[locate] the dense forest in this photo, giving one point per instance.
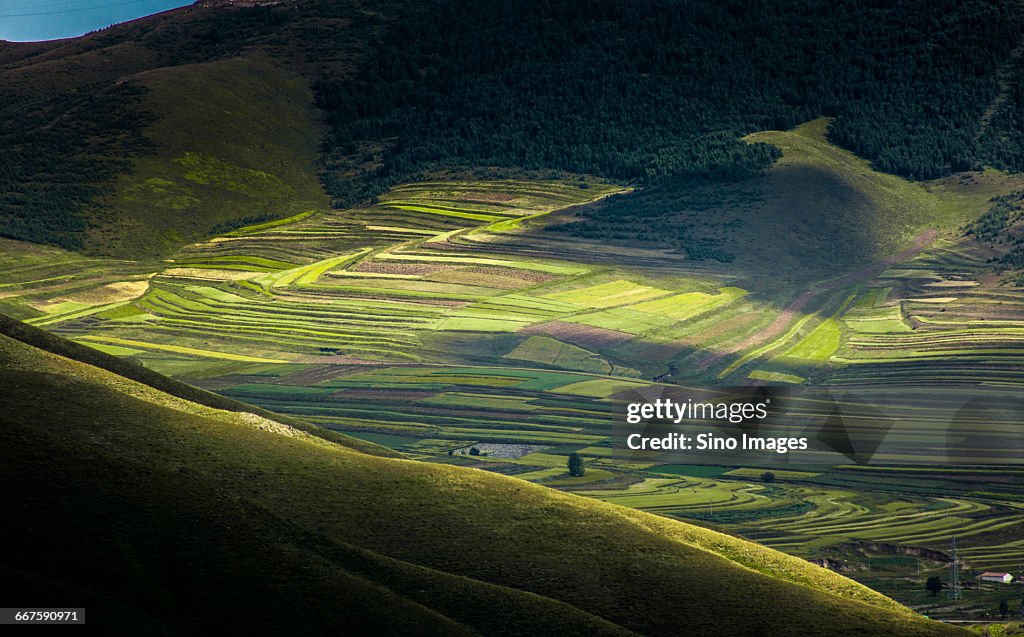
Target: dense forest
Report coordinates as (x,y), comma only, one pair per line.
(1000,228)
(59,152)
(662,89)
(1002,134)
(651,92)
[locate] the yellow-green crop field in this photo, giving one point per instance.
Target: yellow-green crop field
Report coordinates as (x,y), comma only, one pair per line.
(439,318)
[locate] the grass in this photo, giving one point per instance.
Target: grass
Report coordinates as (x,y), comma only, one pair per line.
(598,388)
(252,482)
(176,195)
(772,345)
(548,351)
(776,377)
(694,470)
(260,227)
(623,319)
(820,344)
(553,268)
(891,210)
(76,313)
(609,294)
(432,330)
(309,274)
(447,213)
(126,368)
(686,306)
(115,350)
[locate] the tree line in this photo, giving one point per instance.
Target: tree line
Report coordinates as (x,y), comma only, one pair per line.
(61,152)
(658,90)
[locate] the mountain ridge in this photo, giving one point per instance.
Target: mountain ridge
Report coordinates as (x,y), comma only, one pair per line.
(409,90)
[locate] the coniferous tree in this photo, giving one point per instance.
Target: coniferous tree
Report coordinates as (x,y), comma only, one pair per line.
(575,464)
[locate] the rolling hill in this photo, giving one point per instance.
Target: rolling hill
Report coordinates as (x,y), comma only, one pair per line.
(380,231)
(438,319)
(172,515)
(143,137)
(136,139)
(231,142)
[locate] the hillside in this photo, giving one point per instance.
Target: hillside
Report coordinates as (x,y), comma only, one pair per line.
(313,300)
(819,211)
(131,370)
(147,135)
(440,319)
(143,137)
(159,507)
(231,142)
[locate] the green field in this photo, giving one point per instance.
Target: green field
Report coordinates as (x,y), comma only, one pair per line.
(428,322)
(324,315)
(272,502)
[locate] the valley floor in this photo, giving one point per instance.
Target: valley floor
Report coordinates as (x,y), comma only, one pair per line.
(438,320)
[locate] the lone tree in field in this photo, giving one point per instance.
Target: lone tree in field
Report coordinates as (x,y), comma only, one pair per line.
(575,465)
(934,585)
(768,476)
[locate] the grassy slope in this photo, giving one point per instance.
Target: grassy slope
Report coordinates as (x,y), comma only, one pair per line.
(232,139)
(29,267)
(825,210)
(162,505)
(202,99)
(130,369)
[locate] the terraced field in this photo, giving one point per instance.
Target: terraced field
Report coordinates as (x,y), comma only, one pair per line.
(411,278)
(807,516)
(52,285)
(937,318)
(449,273)
(435,321)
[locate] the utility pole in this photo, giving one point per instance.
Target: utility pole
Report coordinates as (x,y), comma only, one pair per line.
(955,590)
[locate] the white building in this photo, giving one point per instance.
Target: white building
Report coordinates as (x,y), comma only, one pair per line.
(998,578)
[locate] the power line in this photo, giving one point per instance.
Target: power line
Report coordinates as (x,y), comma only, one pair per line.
(955,589)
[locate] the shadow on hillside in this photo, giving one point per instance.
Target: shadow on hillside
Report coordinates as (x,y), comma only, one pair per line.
(774,234)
